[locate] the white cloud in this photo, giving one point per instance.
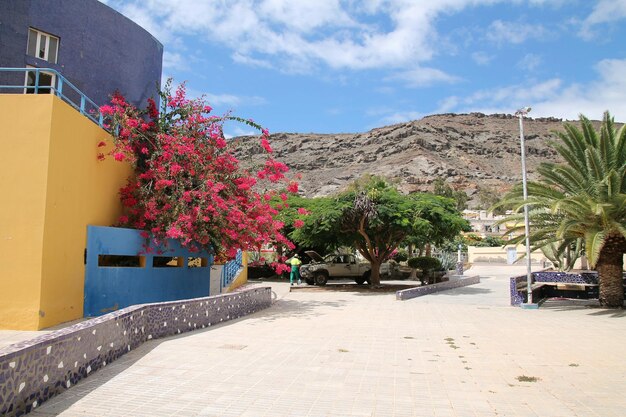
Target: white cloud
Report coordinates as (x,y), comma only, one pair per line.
(421,77)
(501,32)
(252,62)
(605,11)
(529,62)
(174,61)
(401,117)
(481,58)
(299,36)
(230,100)
(234,131)
(555,98)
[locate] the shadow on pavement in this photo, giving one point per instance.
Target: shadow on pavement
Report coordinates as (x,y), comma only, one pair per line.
(295,308)
(592,306)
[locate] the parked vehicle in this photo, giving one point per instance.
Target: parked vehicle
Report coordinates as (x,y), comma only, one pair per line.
(334,266)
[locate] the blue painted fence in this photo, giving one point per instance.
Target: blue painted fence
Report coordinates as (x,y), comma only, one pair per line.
(109,288)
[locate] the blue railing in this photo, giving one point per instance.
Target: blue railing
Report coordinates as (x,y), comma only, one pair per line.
(230,269)
(60,87)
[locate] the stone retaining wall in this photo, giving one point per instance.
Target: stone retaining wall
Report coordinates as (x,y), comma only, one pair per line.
(442,286)
(35,370)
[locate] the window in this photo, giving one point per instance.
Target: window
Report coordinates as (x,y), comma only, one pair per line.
(42,45)
(46,82)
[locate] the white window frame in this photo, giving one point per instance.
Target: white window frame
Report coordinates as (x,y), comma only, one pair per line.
(52,81)
(46,48)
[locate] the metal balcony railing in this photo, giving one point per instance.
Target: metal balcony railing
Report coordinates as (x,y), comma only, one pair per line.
(50,81)
(231,269)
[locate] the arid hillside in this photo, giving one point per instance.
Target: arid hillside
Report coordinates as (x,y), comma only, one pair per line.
(468,150)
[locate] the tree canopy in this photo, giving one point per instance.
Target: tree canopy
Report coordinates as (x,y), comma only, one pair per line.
(583,200)
(373,217)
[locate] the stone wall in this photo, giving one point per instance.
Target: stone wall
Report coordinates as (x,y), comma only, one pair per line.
(35,370)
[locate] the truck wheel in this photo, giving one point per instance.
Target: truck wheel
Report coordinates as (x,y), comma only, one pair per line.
(360,280)
(309,281)
(320,278)
(366,277)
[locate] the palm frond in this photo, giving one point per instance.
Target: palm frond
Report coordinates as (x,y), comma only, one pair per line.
(589,133)
(594,241)
(607,135)
(595,164)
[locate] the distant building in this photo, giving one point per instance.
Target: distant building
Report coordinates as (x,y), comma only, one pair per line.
(94,47)
(483,222)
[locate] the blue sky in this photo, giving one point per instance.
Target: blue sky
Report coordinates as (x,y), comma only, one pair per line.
(332,66)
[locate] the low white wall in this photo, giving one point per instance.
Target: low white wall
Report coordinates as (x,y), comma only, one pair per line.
(500,255)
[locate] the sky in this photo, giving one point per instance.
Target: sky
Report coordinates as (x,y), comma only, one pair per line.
(348,66)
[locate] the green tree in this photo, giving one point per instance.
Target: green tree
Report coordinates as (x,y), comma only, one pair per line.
(583,198)
(373,217)
(320,219)
(442,188)
(376,218)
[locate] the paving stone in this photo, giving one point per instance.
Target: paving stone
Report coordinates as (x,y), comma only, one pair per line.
(357,354)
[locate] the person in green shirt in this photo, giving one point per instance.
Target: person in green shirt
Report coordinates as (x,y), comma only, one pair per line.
(295,263)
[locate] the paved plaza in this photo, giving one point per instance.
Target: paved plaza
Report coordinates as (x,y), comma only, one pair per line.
(462,352)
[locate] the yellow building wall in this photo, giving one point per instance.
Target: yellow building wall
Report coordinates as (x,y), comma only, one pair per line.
(74,190)
(24,132)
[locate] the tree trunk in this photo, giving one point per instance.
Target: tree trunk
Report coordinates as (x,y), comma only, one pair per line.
(428,250)
(610,276)
(375,274)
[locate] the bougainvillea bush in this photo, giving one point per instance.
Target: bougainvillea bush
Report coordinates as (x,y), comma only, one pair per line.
(187,184)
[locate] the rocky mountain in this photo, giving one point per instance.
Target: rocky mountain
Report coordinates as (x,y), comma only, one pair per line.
(468,150)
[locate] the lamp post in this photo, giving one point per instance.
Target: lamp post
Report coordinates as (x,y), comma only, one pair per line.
(520,114)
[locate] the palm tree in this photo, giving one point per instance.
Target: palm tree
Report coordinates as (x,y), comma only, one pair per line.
(583,198)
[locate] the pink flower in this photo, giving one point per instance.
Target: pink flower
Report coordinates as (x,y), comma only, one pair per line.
(101,144)
(266,145)
(303,211)
(298,223)
(119,156)
(292,187)
(174,233)
(106,109)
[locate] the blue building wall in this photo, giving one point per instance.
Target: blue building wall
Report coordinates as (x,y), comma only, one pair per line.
(100,51)
(111,288)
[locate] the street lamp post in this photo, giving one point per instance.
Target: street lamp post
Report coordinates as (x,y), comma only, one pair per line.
(520,114)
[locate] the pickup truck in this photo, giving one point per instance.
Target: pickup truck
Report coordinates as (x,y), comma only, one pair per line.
(320,270)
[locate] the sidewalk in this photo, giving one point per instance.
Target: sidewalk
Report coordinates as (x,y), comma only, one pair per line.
(461,353)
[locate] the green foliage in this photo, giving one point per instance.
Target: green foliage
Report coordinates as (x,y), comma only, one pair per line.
(319,231)
(491,242)
(582,199)
(400,256)
(448,260)
(373,217)
(439,221)
(425,263)
(563,256)
(443,189)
